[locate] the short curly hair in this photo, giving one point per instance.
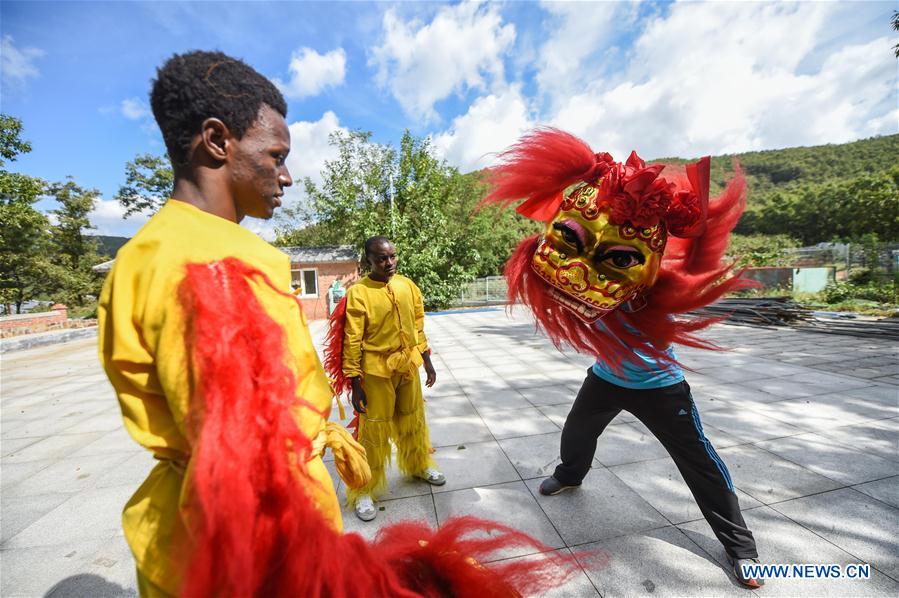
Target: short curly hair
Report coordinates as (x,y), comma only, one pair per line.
(191,87)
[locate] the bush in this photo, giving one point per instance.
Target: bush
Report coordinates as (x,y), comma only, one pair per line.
(837,292)
(861,276)
(881,292)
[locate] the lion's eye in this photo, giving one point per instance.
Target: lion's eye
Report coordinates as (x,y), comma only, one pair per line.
(622,258)
(568,235)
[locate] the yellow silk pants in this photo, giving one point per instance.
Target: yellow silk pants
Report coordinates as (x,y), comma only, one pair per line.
(394,412)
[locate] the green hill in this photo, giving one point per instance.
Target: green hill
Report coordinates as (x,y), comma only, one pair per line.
(109,245)
(820,193)
(795,167)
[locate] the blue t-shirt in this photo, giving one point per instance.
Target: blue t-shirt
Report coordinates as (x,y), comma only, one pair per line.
(641,372)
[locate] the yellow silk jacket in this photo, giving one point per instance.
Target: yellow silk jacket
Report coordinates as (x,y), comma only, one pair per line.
(142,349)
(384,332)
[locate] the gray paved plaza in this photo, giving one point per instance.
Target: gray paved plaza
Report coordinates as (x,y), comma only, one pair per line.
(807,423)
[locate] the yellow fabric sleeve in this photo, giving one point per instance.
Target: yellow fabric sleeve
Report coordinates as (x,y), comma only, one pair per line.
(419,307)
(354,331)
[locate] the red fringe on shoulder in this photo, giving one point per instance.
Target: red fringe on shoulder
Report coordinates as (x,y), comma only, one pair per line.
(255,530)
(333,363)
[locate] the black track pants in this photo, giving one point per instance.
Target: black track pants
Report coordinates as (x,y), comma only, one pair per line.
(671,416)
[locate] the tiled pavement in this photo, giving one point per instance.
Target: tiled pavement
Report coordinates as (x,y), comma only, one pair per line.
(807,423)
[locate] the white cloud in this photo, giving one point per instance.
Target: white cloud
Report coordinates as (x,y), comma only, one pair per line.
(460,49)
(580,31)
(491,124)
(309,149)
(108,218)
(135,109)
(262,228)
(311,72)
(17,65)
(729,77)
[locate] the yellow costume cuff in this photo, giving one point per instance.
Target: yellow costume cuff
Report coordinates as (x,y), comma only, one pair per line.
(349,455)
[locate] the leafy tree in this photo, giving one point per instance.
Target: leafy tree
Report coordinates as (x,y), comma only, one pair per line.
(11,143)
(74,251)
(37,259)
(75,203)
(412,197)
(25,264)
(894,21)
(843,209)
(148,184)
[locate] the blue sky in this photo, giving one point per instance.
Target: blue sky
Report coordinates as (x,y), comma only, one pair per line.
(667,79)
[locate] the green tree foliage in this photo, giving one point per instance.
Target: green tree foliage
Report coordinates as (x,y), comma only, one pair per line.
(836,209)
(75,203)
(25,263)
(75,253)
(415,199)
(148,184)
(11,142)
(40,260)
(894,21)
(761,250)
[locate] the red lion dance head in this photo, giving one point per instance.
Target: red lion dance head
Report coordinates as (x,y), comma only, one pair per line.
(622,243)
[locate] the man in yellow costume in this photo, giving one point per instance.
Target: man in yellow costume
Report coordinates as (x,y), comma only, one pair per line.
(215,373)
(384,344)
(224,128)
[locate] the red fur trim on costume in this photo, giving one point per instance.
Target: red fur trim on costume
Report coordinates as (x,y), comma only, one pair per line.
(334,349)
(539,167)
(255,531)
(691,276)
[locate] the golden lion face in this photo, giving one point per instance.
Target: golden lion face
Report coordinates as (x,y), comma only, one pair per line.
(592,264)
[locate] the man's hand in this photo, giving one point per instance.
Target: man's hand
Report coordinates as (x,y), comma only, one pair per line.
(358,398)
(429,369)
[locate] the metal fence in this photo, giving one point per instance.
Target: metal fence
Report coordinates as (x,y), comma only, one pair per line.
(483,291)
(881,259)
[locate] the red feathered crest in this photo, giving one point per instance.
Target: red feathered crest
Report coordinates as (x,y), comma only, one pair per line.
(544,163)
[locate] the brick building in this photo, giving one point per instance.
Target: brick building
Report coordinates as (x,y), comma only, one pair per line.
(314,269)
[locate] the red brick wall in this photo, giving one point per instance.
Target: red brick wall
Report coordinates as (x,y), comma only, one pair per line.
(346,272)
(56,319)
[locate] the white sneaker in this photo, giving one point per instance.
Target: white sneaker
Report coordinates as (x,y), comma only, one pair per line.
(365,508)
(432,476)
